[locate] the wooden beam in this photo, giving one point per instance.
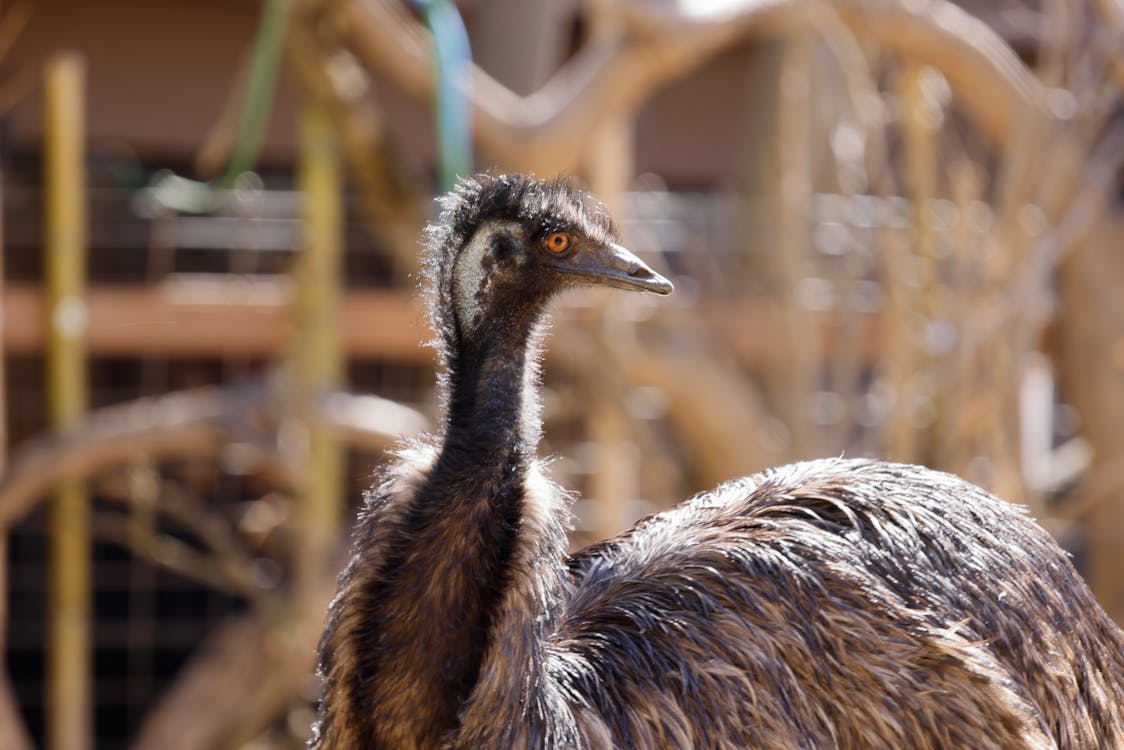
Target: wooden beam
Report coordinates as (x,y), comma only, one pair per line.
(247,317)
(218,317)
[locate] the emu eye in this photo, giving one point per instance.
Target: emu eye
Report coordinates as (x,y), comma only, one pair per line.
(557,243)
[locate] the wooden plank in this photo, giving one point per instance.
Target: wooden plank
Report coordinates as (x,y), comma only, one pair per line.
(243,317)
(247,317)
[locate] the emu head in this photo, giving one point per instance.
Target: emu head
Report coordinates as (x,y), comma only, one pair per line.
(504,244)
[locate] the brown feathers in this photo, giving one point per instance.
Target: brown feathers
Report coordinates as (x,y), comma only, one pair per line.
(829,604)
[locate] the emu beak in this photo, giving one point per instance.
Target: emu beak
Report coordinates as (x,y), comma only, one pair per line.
(613,265)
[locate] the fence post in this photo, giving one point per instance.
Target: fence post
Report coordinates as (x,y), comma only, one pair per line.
(69,719)
(315,360)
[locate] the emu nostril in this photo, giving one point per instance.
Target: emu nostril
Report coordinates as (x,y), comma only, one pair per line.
(613,265)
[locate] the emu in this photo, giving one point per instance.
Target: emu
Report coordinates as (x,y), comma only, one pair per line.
(826,604)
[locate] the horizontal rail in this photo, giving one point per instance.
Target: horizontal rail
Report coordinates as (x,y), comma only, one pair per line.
(247,317)
(241,317)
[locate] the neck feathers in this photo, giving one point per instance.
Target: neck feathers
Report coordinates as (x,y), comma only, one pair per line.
(490,346)
(438,627)
(455,563)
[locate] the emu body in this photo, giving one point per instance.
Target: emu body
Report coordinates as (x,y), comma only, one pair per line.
(849,604)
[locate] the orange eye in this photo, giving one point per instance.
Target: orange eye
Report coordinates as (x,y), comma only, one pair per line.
(557,243)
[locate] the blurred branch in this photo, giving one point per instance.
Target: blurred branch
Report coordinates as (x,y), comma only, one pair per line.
(663,41)
(723,424)
(176,425)
(224,564)
(248,672)
(1090,359)
(858,174)
(1058,24)
(166,551)
(1101,177)
(1112,13)
(989,79)
(212,690)
(186,424)
(368,422)
(218,144)
(13,730)
(241,678)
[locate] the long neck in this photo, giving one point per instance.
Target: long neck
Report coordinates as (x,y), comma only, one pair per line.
(492,404)
(435,607)
(494,422)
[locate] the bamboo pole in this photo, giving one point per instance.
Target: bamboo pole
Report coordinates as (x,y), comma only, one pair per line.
(315,356)
(69,722)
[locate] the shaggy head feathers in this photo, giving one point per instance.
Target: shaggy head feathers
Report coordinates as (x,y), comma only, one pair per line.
(540,207)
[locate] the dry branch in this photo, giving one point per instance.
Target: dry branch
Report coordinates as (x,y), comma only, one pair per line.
(232,677)
(224,563)
(181,425)
(723,425)
(218,143)
(661,42)
(245,676)
(242,678)
(176,556)
(368,422)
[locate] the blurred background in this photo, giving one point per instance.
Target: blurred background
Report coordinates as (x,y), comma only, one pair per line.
(894,229)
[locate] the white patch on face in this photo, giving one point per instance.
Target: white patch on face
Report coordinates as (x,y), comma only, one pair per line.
(470,277)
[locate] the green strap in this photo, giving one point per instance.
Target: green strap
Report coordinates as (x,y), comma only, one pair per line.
(191,196)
